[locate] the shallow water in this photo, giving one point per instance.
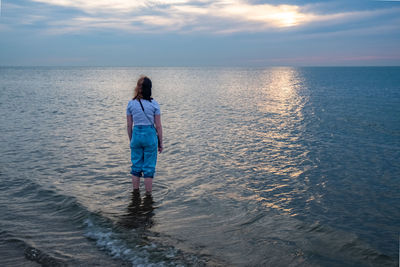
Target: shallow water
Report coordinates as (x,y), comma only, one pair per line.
(274,167)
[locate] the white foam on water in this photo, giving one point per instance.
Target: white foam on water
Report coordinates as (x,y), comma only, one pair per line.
(139,253)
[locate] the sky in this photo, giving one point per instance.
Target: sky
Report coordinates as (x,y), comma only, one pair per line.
(246,33)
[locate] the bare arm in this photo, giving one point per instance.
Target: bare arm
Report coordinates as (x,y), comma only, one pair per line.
(129,123)
(157,121)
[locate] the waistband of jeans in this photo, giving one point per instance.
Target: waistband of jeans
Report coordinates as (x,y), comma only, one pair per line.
(142,126)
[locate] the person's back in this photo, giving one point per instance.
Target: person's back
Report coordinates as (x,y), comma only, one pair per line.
(143,113)
(146,117)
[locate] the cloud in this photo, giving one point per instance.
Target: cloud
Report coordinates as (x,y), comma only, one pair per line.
(97,6)
(111,6)
(265,15)
(185,16)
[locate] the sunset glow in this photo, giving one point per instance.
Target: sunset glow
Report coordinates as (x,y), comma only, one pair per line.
(269,15)
(205,32)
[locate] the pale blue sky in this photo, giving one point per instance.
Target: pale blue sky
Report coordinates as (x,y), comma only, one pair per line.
(199,33)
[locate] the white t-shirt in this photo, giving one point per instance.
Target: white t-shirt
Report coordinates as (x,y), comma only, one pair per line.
(139,118)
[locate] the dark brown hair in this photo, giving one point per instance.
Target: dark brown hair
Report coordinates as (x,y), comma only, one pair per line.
(143,88)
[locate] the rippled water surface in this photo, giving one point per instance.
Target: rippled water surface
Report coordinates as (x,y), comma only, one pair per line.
(262,167)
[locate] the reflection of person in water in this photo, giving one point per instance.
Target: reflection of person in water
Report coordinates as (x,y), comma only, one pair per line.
(139,213)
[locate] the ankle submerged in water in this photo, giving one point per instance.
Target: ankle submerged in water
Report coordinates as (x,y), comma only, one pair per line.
(136,192)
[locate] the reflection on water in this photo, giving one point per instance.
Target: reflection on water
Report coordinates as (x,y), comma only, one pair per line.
(277,126)
(139,213)
(282,104)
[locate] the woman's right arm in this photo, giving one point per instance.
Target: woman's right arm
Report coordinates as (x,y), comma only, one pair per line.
(157,121)
(129,123)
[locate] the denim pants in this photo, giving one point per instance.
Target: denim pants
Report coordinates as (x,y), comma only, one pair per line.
(144,151)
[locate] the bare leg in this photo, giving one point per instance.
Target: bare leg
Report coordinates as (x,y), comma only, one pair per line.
(135,182)
(148,183)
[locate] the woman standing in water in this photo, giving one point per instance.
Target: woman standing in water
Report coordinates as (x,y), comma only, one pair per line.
(144,112)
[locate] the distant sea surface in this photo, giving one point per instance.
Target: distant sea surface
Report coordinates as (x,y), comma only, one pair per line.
(272,166)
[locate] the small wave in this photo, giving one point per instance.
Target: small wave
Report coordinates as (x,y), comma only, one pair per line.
(136,247)
(121,241)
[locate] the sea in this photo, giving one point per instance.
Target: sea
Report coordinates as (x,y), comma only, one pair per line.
(275,166)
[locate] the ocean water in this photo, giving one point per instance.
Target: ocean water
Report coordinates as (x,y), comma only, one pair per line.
(262,167)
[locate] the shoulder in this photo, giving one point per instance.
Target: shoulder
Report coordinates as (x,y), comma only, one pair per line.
(156,107)
(129,108)
(155,104)
(131,102)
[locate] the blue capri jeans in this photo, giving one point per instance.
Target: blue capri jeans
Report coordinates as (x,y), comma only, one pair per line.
(144,151)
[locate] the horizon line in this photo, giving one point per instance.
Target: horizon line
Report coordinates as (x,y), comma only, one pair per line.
(192,66)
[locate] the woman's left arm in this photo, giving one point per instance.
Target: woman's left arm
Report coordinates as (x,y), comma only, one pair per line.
(129,123)
(157,121)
